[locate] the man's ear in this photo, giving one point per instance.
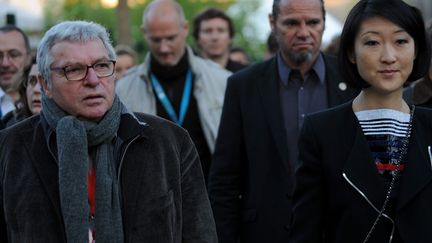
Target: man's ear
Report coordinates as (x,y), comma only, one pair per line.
(272,21)
(28,61)
(186,27)
(44,84)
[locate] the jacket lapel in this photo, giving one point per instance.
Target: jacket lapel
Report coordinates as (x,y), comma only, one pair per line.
(418,171)
(131,130)
(359,170)
(269,90)
(338,91)
(46,167)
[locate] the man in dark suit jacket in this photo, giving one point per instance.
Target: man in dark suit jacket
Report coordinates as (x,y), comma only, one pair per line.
(250,182)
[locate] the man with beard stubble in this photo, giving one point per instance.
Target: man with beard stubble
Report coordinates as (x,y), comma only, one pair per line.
(251,177)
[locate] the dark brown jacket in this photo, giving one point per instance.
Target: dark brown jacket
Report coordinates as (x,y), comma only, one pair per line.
(161,184)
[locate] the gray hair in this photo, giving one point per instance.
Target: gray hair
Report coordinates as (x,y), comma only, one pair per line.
(72,31)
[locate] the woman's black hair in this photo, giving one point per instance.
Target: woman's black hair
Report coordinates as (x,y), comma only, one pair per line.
(22,108)
(396,11)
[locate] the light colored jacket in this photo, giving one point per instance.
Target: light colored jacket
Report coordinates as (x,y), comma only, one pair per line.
(136,92)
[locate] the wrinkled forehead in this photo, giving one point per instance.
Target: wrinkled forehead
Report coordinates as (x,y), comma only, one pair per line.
(311,8)
(70,52)
(214,22)
(12,40)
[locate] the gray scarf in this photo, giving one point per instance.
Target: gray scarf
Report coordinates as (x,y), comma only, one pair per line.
(74,137)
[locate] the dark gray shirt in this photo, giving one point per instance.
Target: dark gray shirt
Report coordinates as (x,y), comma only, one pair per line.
(300,97)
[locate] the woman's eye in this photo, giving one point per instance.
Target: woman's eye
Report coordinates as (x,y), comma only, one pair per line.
(401,41)
(371,43)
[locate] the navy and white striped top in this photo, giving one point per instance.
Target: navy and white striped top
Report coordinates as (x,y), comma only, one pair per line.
(385,131)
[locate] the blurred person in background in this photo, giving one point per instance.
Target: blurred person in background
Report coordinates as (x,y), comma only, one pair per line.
(240,55)
(333,47)
(126,58)
(14,57)
(420,92)
(173,82)
(30,97)
(272,46)
(213,31)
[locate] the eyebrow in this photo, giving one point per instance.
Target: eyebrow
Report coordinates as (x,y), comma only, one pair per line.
(80,63)
(377,33)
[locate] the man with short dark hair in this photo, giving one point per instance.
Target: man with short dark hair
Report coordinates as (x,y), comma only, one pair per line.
(14,57)
(251,178)
(88,170)
(173,82)
(213,31)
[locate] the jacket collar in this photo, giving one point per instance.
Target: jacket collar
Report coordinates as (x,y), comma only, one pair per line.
(359,169)
(418,172)
(130,126)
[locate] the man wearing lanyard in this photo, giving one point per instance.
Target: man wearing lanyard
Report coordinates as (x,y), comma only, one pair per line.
(174,83)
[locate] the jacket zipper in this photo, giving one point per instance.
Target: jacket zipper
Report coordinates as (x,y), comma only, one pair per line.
(430,155)
(371,204)
(123,156)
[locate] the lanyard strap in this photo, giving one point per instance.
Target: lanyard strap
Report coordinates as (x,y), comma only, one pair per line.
(166,102)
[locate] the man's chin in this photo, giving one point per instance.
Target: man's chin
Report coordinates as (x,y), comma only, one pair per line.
(301,57)
(5,81)
(167,61)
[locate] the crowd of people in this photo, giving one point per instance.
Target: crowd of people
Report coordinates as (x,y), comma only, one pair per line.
(204,146)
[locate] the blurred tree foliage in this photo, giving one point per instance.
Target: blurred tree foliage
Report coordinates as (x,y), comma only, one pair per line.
(246,32)
(93,10)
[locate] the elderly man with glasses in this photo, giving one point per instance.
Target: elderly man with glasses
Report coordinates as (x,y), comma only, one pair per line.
(86,168)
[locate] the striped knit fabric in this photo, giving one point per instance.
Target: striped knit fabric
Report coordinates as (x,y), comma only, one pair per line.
(385,131)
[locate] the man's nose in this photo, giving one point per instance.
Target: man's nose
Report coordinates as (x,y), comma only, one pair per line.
(164,46)
(91,78)
(5,60)
(303,31)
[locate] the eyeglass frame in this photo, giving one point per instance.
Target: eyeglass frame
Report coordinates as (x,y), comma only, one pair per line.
(11,57)
(87,68)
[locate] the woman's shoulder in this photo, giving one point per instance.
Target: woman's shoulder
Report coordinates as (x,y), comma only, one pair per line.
(334,112)
(338,118)
(423,113)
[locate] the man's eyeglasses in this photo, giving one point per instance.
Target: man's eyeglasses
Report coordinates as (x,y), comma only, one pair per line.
(77,72)
(12,55)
